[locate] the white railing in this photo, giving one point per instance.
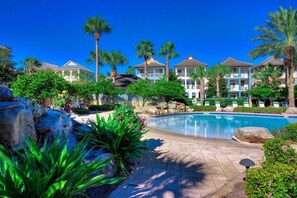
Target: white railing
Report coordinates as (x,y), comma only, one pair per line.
(151,75)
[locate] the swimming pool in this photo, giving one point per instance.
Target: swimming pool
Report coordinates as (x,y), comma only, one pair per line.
(216,125)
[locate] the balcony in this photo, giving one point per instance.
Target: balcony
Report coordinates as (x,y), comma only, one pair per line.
(236,75)
(191,87)
(181,74)
(236,88)
(151,75)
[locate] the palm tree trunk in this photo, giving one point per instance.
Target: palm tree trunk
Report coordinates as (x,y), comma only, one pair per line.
(201,87)
(167,68)
(145,68)
(217,85)
(113,73)
(291,85)
(97,59)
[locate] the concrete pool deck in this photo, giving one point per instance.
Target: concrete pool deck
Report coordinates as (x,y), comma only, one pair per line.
(183,166)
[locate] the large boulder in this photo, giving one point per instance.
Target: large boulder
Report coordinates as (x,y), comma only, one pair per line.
(163,105)
(54,123)
(151,110)
(219,109)
(253,134)
(16,122)
(228,109)
(38,113)
(291,110)
(4,91)
(172,105)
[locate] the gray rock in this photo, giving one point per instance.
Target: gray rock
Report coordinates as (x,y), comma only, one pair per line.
(291,110)
(54,123)
(151,110)
(253,134)
(5,91)
(16,122)
(228,109)
(38,113)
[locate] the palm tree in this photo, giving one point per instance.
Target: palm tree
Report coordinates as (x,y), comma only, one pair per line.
(200,74)
(269,75)
(146,50)
(30,64)
(114,58)
(168,50)
(96,26)
(217,72)
(279,38)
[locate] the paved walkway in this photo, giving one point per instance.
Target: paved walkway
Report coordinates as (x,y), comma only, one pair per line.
(183,166)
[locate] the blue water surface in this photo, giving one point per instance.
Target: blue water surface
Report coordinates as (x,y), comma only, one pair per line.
(216,125)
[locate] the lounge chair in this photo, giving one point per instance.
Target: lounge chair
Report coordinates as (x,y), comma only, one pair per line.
(246,104)
(284,104)
(275,104)
(206,103)
(198,103)
(234,104)
(261,104)
(218,104)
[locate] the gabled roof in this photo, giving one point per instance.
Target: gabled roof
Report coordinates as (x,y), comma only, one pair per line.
(190,61)
(272,60)
(235,63)
(71,65)
(151,63)
(45,65)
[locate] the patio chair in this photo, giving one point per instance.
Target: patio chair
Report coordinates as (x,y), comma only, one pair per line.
(261,104)
(218,104)
(206,103)
(198,103)
(246,104)
(234,104)
(276,104)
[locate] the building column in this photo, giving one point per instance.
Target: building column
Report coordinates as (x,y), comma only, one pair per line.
(229,85)
(78,75)
(63,73)
(249,86)
(154,74)
(239,83)
(70,76)
(186,74)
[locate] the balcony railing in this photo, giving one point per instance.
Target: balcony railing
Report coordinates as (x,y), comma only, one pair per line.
(191,86)
(151,75)
(236,75)
(236,88)
(181,74)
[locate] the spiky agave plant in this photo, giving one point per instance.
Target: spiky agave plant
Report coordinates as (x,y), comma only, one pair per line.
(49,171)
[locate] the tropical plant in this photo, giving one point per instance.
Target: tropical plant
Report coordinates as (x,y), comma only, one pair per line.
(119,135)
(30,64)
(105,87)
(41,85)
(200,74)
(130,70)
(146,50)
(49,170)
(7,65)
(289,133)
(96,26)
(280,38)
(168,50)
(114,58)
(218,72)
(167,90)
(211,91)
(142,88)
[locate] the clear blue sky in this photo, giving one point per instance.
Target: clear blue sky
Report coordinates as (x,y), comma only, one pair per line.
(211,30)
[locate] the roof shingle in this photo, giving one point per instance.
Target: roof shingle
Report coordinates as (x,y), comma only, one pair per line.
(272,60)
(231,62)
(190,62)
(151,63)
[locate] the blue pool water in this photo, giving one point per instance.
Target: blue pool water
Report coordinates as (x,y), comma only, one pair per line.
(212,125)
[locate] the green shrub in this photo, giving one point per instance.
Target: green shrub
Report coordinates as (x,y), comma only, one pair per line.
(225,101)
(268,110)
(80,111)
(279,151)
(120,135)
(276,180)
(289,132)
(49,171)
(203,108)
(105,107)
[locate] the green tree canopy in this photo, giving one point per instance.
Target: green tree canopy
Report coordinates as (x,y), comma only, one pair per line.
(30,64)
(142,88)
(211,90)
(168,90)
(39,86)
(7,65)
(130,70)
(146,50)
(279,38)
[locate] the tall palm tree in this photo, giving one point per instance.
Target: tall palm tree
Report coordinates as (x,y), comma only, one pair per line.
(146,50)
(114,58)
(96,26)
(30,64)
(168,50)
(217,72)
(199,74)
(279,38)
(269,75)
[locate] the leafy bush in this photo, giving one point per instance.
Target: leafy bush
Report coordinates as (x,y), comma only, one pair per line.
(80,111)
(289,132)
(120,135)
(225,101)
(279,151)
(269,110)
(203,108)
(49,171)
(105,107)
(276,180)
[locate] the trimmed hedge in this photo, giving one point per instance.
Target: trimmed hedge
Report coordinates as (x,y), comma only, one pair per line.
(289,132)
(225,101)
(269,110)
(105,107)
(203,108)
(80,111)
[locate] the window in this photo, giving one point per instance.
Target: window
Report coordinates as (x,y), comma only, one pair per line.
(234,70)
